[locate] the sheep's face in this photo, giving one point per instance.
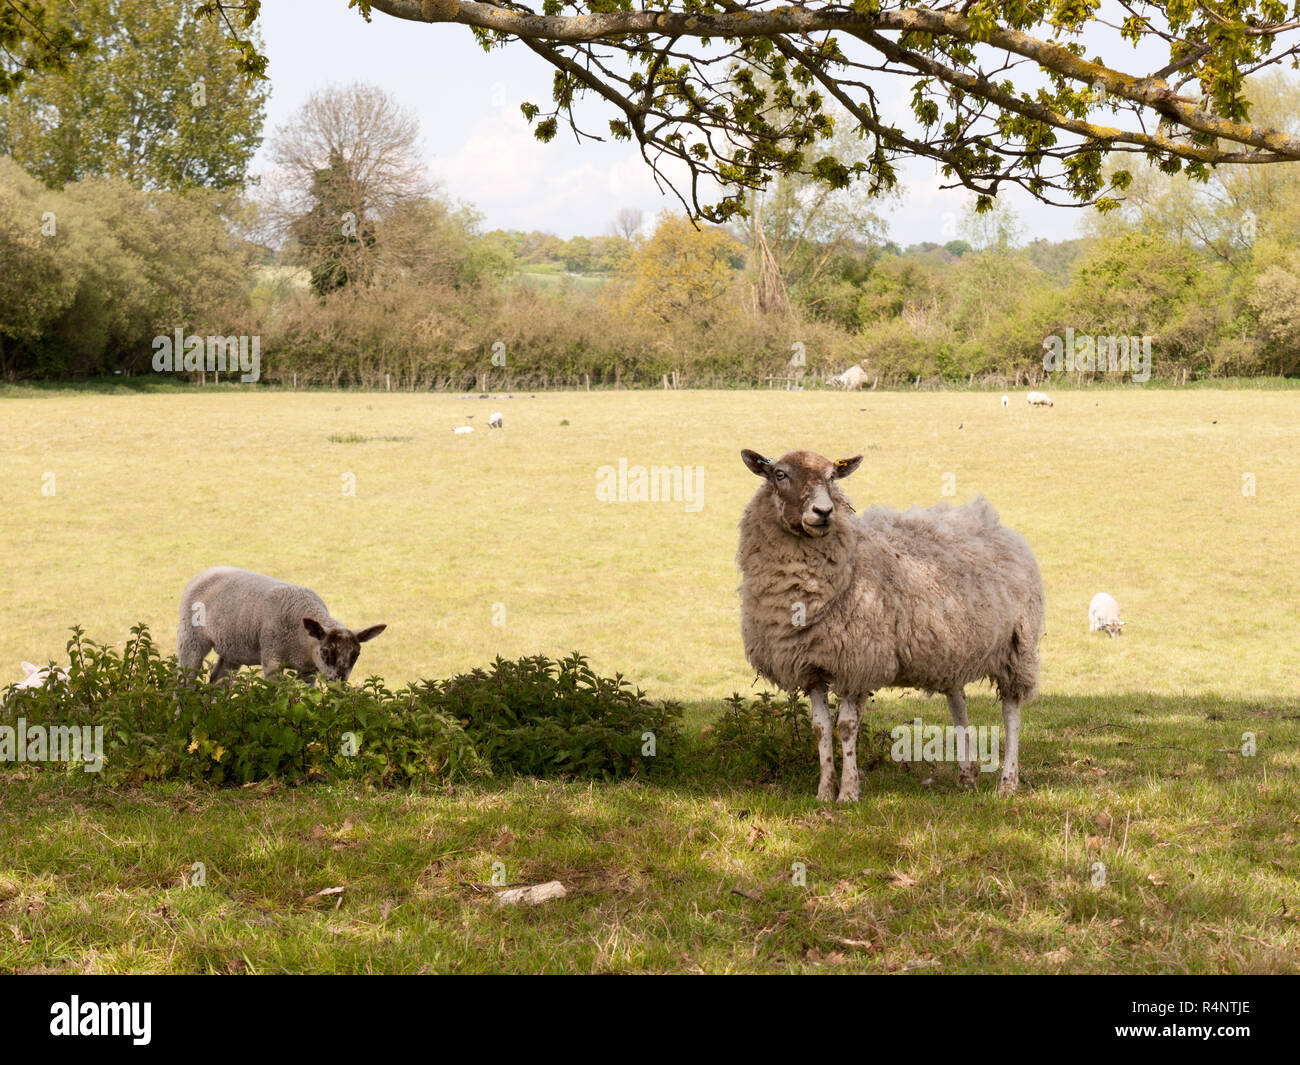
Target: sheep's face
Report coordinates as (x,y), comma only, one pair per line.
(802,487)
(335,650)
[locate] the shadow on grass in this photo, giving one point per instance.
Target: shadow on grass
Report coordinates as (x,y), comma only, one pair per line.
(1131,736)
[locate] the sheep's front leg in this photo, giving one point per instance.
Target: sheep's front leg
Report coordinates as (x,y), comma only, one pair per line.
(1011,759)
(221,669)
(969,774)
(821,722)
(847,727)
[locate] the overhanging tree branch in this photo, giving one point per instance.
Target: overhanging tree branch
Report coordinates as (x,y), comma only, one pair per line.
(723,94)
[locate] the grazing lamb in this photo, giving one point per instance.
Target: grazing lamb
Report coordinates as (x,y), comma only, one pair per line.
(854,377)
(253,620)
(1039,399)
(1103,613)
(494,420)
(1006,401)
(461,430)
(930,599)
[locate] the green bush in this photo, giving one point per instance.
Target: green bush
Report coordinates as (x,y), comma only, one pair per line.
(543,718)
(770,740)
(534,716)
(764,740)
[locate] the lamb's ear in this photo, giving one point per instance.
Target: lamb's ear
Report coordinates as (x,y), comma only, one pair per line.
(843,467)
(370,633)
(756,463)
(29,669)
(314,628)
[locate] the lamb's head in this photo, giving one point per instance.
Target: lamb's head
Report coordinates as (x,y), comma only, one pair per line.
(802,487)
(335,650)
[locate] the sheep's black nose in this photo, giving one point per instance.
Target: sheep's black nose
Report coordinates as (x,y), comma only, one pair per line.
(823,512)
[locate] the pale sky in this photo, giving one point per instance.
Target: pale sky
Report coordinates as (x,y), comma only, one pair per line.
(481,150)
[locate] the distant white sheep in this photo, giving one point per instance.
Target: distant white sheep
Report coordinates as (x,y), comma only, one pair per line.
(1103,613)
(461,430)
(1006,401)
(854,377)
(251,619)
(495,420)
(1039,399)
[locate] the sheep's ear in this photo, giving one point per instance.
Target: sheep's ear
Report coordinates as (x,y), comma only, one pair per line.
(370,633)
(28,668)
(756,463)
(843,467)
(313,628)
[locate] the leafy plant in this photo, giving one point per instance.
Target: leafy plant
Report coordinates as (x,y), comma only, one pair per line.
(768,740)
(545,718)
(533,716)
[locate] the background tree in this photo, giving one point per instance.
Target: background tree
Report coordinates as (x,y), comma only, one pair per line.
(158,100)
(94,271)
(813,243)
(347,159)
(680,270)
(1225,215)
(31,42)
(433,243)
(627,223)
(334,240)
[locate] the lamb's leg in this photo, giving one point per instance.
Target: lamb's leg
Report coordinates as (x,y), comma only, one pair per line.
(847,727)
(821,721)
(969,773)
(1011,758)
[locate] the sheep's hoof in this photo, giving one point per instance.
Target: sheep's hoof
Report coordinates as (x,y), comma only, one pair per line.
(849,794)
(826,792)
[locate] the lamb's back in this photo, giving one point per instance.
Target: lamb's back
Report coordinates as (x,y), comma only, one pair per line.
(249,614)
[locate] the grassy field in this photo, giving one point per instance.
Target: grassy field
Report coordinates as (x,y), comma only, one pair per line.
(1182,504)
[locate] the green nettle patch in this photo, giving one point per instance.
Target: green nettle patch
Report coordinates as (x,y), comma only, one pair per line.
(769,740)
(544,718)
(534,716)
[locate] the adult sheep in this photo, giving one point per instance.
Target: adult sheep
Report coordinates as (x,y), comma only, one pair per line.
(930,599)
(252,619)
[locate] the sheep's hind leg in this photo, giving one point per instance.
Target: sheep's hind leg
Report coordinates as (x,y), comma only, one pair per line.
(968,774)
(1011,759)
(821,721)
(847,727)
